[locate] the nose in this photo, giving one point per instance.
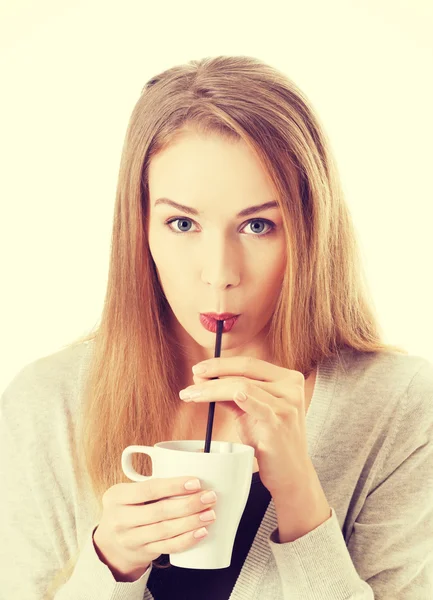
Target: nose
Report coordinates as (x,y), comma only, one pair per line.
(221,263)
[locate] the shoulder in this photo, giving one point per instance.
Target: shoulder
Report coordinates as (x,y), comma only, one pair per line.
(393,385)
(390,369)
(44,387)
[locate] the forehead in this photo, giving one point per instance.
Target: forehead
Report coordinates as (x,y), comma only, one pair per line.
(195,162)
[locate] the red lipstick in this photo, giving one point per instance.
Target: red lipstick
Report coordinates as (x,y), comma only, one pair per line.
(209,321)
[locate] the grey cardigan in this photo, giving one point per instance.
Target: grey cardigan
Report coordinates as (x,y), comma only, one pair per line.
(370,438)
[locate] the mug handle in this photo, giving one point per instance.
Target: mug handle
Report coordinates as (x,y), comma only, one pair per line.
(127,467)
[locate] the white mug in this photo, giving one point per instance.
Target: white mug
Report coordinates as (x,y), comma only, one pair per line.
(227,469)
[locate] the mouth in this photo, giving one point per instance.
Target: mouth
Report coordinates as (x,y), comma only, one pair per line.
(210,323)
(220,316)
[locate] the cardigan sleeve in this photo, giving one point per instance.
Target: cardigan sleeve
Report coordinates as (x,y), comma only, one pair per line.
(389,554)
(93,580)
(33,547)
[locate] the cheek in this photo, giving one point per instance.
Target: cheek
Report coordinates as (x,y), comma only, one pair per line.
(270,274)
(161,254)
(172,274)
(270,268)
(163,264)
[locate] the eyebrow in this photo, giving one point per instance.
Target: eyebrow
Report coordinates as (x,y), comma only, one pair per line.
(246,212)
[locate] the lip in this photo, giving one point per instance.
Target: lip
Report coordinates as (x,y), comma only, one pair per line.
(210,323)
(220,316)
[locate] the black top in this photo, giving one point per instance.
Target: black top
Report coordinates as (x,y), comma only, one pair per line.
(213,584)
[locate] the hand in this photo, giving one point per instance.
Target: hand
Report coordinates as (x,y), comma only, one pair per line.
(142,520)
(271,419)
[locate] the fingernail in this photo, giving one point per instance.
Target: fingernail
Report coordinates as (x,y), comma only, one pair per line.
(198,369)
(192,484)
(208,497)
(200,532)
(208,515)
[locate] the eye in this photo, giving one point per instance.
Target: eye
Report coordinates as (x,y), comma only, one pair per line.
(259,234)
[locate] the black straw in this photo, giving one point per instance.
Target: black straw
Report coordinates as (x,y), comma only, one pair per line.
(220,325)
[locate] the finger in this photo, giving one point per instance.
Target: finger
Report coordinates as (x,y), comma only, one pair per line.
(163,510)
(150,490)
(165,530)
(254,407)
(223,390)
(247,366)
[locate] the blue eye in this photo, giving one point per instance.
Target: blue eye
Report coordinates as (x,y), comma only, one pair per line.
(270,224)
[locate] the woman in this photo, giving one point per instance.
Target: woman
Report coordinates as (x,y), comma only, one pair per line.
(337,416)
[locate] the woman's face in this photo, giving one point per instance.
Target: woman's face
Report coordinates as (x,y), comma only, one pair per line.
(216,261)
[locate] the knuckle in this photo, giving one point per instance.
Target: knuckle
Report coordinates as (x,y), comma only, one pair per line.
(246,362)
(247,388)
(117,525)
(291,414)
(151,488)
(117,529)
(271,414)
(121,538)
(161,511)
(165,530)
(107,496)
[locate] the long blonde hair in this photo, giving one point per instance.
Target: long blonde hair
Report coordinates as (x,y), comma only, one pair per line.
(131,393)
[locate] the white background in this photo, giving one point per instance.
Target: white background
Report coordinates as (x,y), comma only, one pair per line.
(71,73)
